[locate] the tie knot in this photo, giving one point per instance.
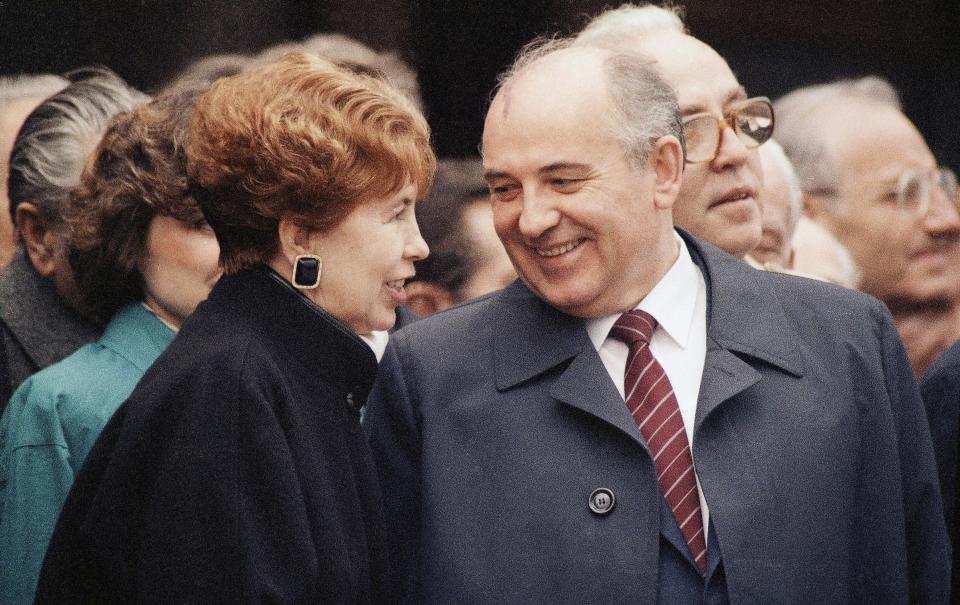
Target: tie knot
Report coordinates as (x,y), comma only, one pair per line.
(633,327)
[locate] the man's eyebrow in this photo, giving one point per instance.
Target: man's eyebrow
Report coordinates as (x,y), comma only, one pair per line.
(558,166)
(738,94)
(490,175)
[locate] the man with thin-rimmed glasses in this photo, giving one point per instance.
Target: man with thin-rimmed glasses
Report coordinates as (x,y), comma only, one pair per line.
(870,178)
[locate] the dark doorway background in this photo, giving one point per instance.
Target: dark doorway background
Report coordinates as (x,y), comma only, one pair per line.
(458,47)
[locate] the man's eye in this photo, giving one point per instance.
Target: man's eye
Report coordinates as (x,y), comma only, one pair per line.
(504,192)
(564,185)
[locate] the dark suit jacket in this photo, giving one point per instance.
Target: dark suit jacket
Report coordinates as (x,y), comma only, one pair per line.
(493,422)
(941,395)
(36,328)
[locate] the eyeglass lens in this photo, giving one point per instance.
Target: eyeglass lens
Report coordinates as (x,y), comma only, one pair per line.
(752,123)
(914,191)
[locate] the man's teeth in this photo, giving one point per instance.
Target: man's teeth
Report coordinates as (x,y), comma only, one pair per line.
(559,249)
(397,285)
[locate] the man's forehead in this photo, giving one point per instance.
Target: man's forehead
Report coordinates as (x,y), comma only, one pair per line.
(875,138)
(697,73)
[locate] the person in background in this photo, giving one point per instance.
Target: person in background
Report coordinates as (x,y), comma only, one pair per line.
(144,258)
(19,95)
(207,69)
(781,203)
(941,396)
(237,471)
(353,55)
(466,258)
(723,128)
(39,324)
(820,255)
(870,179)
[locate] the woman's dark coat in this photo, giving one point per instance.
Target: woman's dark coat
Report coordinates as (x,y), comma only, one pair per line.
(236,472)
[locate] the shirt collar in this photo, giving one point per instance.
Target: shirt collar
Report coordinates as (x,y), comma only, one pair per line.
(672,302)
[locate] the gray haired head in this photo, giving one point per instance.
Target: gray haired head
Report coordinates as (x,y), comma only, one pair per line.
(645,106)
(55,140)
(627,23)
(808,146)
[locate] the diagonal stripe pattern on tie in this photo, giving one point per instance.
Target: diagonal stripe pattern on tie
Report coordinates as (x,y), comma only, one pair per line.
(651,401)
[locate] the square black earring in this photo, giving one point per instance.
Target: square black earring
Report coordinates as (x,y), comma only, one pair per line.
(306,271)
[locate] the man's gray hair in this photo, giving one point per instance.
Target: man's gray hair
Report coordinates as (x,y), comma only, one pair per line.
(645,105)
(771,153)
(55,140)
(809,146)
(29,86)
(625,24)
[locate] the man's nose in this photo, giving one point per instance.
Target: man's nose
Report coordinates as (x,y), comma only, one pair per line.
(942,217)
(538,215)
(732,151)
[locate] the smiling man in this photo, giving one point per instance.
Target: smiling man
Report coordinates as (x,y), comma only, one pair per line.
(869,177)
(621,424)
(722,179)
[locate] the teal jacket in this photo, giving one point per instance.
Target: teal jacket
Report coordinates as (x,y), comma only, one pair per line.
(48,428)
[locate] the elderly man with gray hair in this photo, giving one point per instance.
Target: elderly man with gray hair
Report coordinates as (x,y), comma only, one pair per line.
(869,178)
(723,127)
(641,418)
(38,323)
(19,95)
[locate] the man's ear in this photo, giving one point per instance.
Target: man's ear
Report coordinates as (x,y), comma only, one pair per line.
(40,239)
(426,298)
(666,161)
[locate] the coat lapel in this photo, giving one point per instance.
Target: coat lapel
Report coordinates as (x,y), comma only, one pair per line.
(532,338)
(745,325)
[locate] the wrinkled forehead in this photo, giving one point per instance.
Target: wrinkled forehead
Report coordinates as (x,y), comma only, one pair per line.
(701,78)
(562,92)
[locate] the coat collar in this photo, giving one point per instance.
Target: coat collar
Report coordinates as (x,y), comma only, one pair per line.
(34,313)
(137,335)
(303,331)
(744,316)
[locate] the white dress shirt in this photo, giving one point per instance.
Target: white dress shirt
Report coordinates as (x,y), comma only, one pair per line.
(679,304)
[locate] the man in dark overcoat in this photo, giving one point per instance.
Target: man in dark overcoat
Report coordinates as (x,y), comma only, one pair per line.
(642,418)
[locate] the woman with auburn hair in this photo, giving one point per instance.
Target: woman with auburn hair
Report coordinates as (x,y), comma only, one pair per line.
(237,472)
(144,258)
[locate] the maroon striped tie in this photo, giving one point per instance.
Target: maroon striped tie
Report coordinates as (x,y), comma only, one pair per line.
(654,407)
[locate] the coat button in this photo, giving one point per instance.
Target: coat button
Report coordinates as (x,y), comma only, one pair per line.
(602,501)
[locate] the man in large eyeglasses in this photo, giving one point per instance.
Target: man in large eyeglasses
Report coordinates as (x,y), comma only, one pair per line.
(723,127)
(869,177)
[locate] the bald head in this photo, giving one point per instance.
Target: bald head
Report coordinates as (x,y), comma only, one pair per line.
(584,214)
(718,199)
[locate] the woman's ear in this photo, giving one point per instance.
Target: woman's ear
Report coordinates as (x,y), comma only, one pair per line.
(666,161)
(295,240)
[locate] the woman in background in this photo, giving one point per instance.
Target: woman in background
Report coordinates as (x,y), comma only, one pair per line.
(237,472)
(144,258)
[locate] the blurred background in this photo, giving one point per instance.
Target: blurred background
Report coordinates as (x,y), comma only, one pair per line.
(458,47)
